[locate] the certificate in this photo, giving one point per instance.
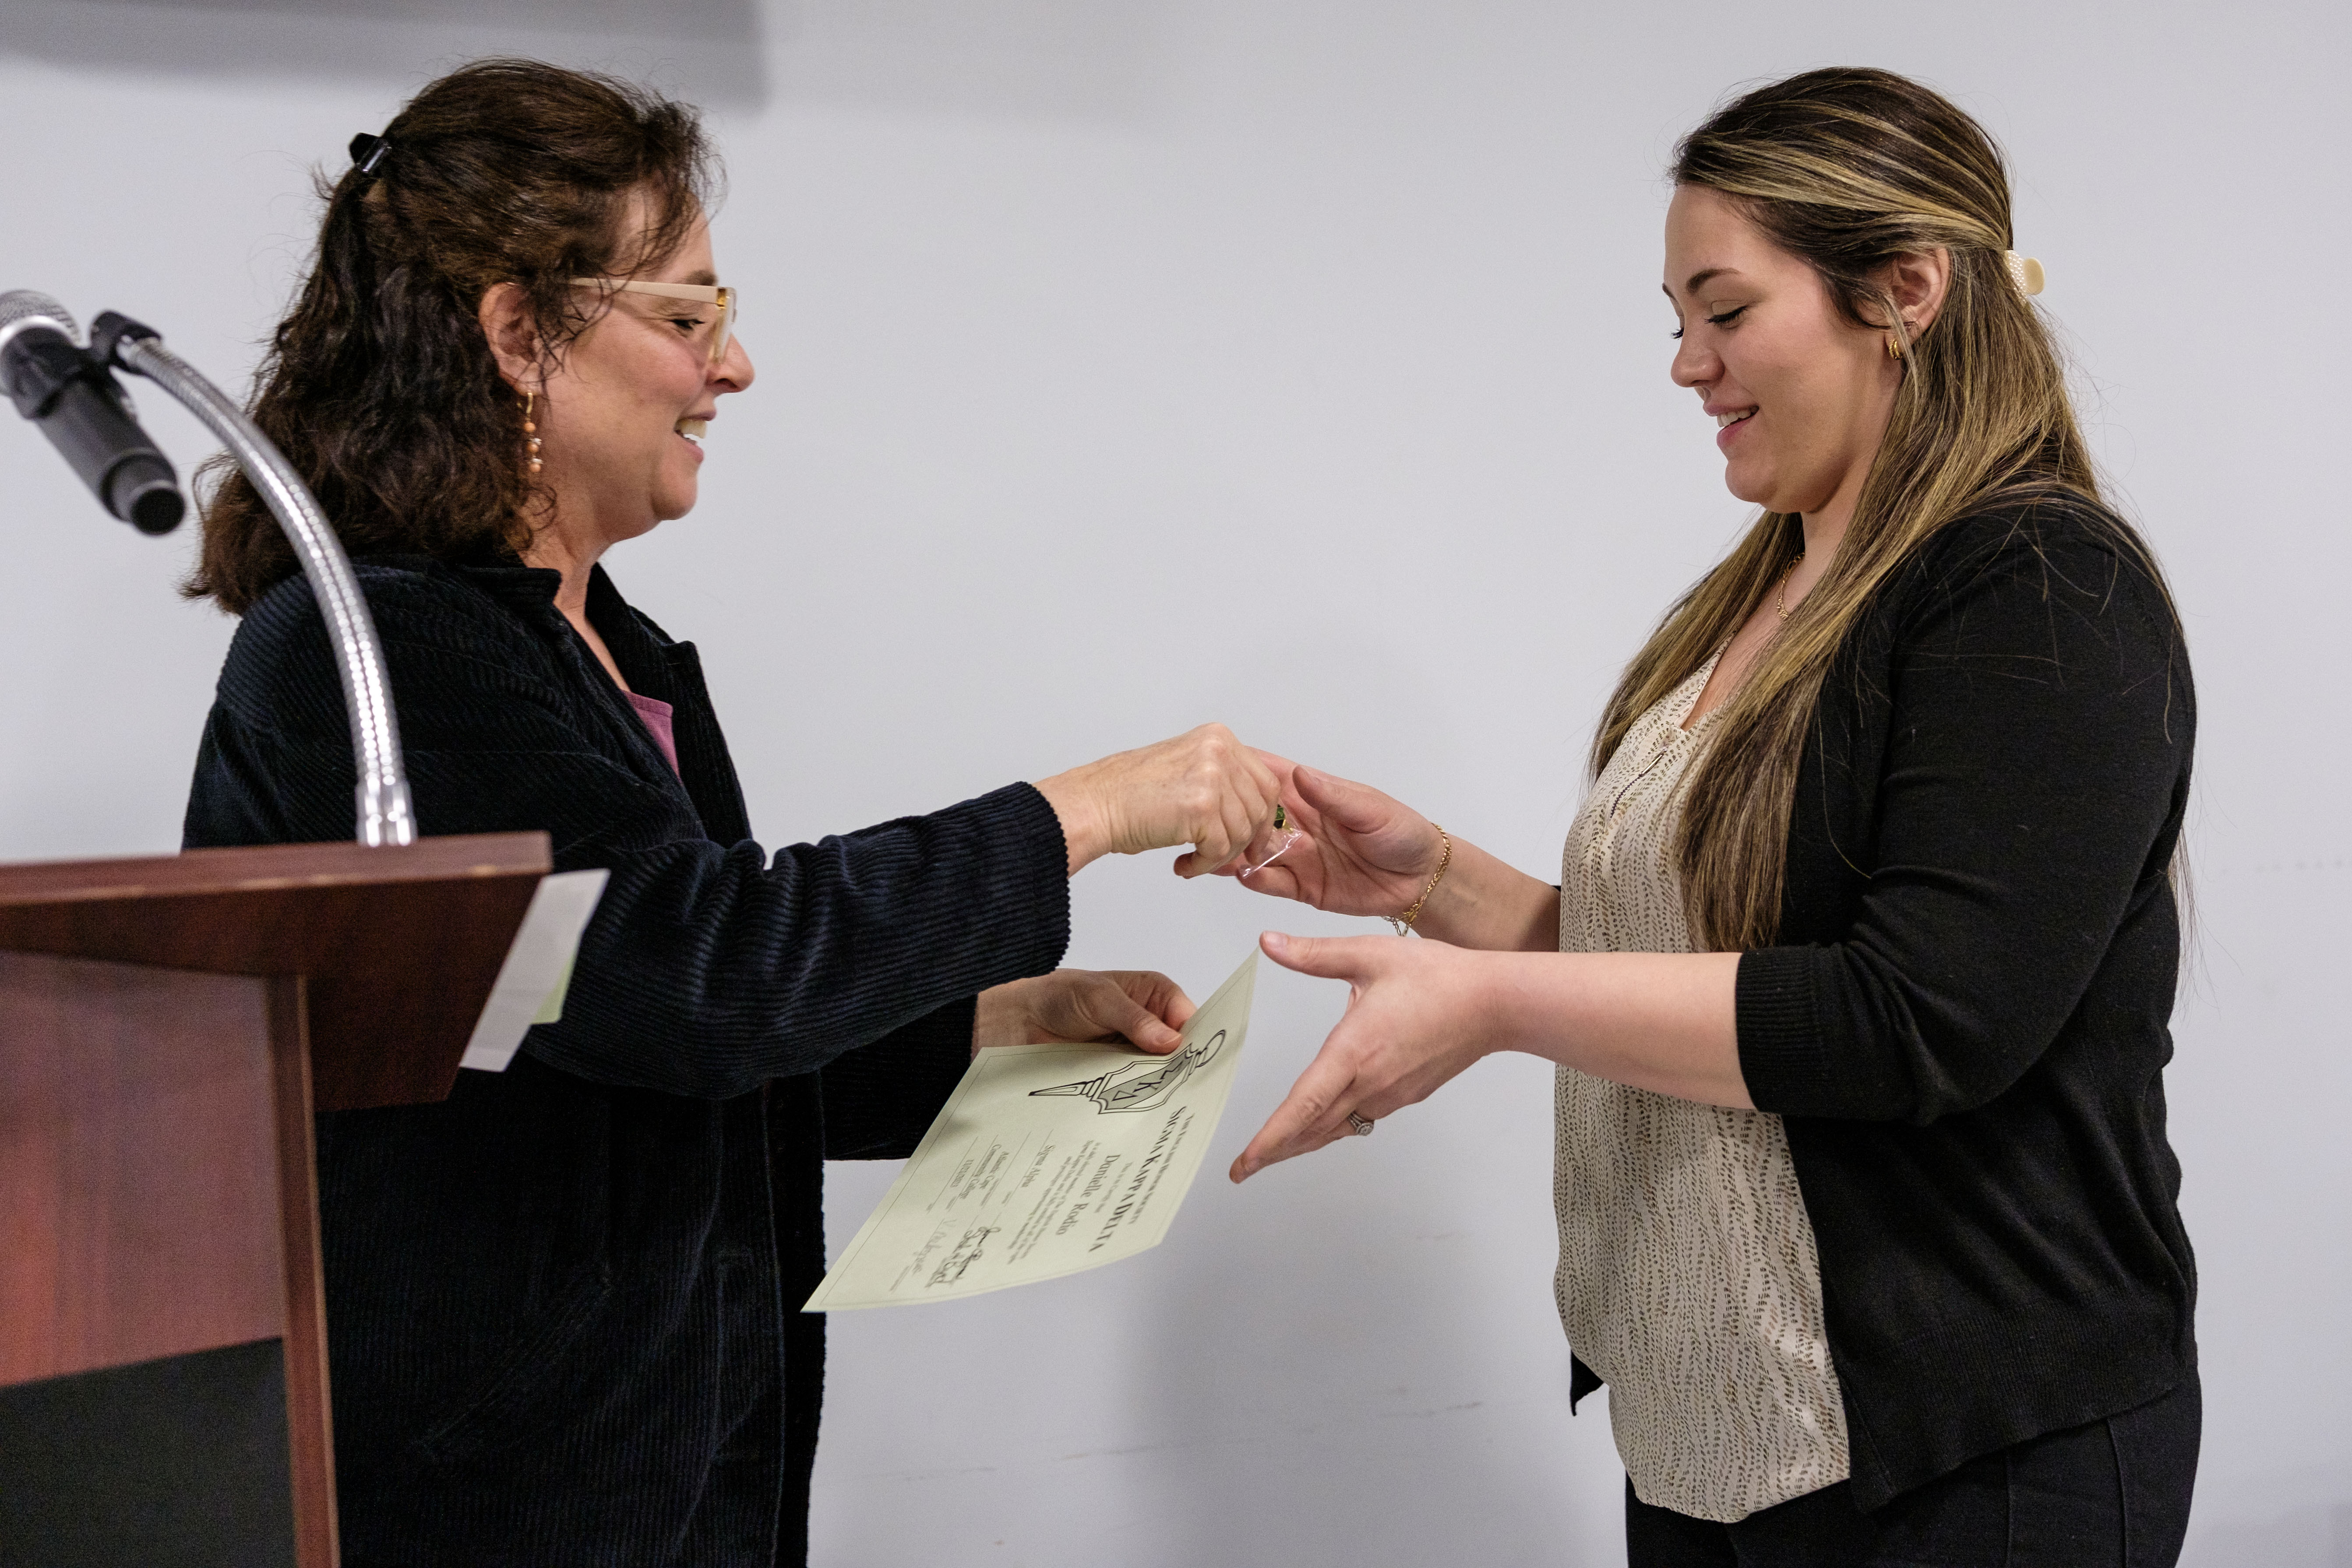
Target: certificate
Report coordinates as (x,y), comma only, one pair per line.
(1047,1161)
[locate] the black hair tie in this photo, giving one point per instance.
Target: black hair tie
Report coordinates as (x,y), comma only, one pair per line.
(367,152)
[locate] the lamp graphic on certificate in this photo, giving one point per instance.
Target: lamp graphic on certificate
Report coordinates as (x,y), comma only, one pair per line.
(1142,1085)
(1049,1158)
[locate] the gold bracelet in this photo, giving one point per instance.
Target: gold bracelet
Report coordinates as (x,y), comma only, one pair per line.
(1403,922)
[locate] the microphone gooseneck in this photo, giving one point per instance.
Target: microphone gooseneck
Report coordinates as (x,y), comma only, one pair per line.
(385,815)
(74,398)
(70,392)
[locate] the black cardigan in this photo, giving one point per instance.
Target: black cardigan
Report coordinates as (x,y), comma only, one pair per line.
(1965,1021)
(563,1304)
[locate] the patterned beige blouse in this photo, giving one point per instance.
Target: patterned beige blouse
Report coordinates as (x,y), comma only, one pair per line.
(1687,1272)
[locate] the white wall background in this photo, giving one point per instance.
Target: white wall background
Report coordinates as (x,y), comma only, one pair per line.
(1300,365)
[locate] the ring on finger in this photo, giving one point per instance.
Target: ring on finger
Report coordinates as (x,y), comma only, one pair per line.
(1290,838)
(1362,1125)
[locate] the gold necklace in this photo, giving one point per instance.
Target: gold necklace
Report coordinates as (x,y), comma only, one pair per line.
(1781,594)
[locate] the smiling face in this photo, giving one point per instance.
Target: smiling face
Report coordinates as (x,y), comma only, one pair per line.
(621,418)
(1800,394)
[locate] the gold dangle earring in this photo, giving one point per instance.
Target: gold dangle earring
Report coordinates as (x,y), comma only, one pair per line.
(1899,338)
(531,431)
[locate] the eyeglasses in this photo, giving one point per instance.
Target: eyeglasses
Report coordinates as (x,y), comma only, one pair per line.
(714,329)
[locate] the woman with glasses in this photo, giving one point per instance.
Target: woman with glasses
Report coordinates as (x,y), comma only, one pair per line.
(564,1302)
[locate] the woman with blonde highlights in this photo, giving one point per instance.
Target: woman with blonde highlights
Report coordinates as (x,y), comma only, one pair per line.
(1859,970)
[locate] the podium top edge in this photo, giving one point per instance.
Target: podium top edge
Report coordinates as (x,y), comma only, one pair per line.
(270,867)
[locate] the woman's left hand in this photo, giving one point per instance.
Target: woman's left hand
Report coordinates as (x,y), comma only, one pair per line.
(1139,1007)
(1413,1020)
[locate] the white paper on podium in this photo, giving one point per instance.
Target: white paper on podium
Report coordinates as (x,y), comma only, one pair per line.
(538,969)
(1047,1161)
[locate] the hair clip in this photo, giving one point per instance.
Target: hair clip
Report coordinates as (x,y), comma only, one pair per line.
(367,152)
(2025,272)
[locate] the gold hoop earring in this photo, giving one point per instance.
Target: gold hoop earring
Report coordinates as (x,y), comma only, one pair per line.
(1894,350)
(531,431)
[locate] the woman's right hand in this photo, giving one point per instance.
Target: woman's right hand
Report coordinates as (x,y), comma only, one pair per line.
(1204,788)
(1359,852)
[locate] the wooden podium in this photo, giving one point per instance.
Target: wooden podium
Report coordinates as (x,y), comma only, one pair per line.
(167,1026)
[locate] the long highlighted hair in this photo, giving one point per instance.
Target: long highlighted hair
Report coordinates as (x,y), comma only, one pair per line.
(1849,168)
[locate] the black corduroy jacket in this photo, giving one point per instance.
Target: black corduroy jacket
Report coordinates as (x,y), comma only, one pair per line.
(562,1305)
(1965,1020)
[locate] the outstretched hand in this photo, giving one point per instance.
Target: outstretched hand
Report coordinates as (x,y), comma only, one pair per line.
(1141,1007)
(1359,852)
(1203,787)
(1414,1021)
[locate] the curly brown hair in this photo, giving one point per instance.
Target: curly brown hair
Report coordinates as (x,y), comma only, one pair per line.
(379,385)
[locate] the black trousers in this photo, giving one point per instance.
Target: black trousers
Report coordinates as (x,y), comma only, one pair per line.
(2111,1494)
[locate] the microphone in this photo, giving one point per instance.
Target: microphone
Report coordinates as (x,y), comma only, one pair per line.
(83,410)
